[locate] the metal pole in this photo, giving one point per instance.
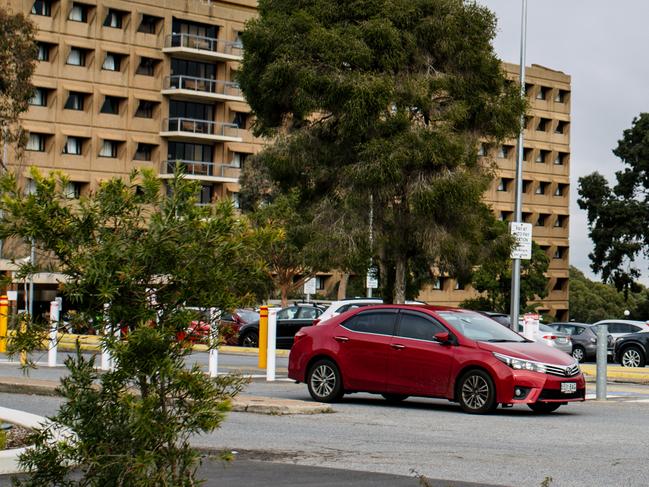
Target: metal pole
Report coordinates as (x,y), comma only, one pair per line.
(369,289)
(518,213)
(272,337)
(54,323)
(32,261)
(602,335)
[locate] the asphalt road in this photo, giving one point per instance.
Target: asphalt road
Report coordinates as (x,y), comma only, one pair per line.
(585,444)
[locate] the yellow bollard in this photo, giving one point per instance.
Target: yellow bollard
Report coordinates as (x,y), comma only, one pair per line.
(23,354)
(4,318)
(263,336)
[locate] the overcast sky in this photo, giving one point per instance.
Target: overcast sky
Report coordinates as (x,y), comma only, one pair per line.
(602,45)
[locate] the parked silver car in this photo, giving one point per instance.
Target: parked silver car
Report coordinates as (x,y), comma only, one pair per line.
(584,339)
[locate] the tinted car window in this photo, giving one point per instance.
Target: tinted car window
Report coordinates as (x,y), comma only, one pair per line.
(633,328)
(419,327)
(248,316)
(347,307)
(308,313)
(378,322)
(478,327)
(287,313)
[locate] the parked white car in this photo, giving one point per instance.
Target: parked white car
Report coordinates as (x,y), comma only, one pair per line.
(339,307)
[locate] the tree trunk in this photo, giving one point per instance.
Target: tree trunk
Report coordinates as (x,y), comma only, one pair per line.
(284,291)
(400,280)
(342,286)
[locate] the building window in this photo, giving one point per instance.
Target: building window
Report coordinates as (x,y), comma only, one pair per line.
(502,184)
(184,151)
(143,152)
(75,101)
(560,222)
(559,253)
(112,62)
(145,109)
(238,159)
(526,185)
(542,93)
(542,156)
(458,286)
(114,18)
(109,148)
(561,96)
(528,89)
(73,190)
(36,143)
(560,189)
(205,196)
(77,57)
(149,24)
(543,125)
(527,153)
(147,66)
(240,119)
(73,145)
(79,12)
(560,159)
(562,127)
(42,7)
(438,284)
(503,152)
(527,216)
(40,98)
(111,105)
(482,150)
(505,215)
(541,188)
(541,219)
(560,284)
(43,51)
(236,200)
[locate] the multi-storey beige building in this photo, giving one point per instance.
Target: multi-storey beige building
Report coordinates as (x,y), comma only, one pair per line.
(546,184)
(133,84)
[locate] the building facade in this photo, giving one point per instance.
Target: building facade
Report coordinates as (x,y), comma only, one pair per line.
(122,85)
(546,184)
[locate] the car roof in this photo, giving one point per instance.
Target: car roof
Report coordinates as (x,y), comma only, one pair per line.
(569,323)
(630,322)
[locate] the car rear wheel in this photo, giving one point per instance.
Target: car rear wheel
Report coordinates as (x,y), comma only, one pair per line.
(250,338)
(544,407)
(632,357)
(324,381)
(579,353)
(477,393)
(395,398)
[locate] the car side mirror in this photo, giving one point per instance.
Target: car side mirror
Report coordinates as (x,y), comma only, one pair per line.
(442,337)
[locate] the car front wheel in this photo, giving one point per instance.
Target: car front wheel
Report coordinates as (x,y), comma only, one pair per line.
(544,407)
(477,393)
(250,338)
(324,381)
(632,357)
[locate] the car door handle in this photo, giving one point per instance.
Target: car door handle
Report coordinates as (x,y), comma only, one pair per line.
(397,346)
(341,339)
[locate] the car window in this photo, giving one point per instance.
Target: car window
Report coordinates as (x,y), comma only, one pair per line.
(227,317)
(248,316)
(418,327)
(307,313)
(378,322)
(634,328)
(287,313)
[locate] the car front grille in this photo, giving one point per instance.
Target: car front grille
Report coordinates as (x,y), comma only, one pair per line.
(561,371)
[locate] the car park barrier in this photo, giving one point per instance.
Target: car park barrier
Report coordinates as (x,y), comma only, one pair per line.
(55,312)
(4,317)
(213,362)
(263,337)
(602,362)
(272,337)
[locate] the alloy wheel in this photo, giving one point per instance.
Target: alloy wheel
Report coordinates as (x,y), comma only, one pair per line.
(323,380)
(475,392)
(631,358)
(578,354)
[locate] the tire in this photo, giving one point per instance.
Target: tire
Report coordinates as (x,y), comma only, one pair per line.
(476,392)
(632,357)
(579,353)
(395,398)
(324,381)
(250,338)
(544,407)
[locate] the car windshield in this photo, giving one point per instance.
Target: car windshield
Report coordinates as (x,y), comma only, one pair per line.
(479,327)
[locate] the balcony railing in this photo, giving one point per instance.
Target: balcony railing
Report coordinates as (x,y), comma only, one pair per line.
(196,168)
(201,43)
(201,127)
(202,85)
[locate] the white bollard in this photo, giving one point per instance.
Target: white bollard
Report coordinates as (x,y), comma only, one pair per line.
(55,312)
(105,353)
(272,338)
(214,336)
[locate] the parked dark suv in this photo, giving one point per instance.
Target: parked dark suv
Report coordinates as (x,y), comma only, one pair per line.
(632,350)
(289,321)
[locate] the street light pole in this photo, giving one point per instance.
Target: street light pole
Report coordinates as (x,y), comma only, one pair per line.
(518,213)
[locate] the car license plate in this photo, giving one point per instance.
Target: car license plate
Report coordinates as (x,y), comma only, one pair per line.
(568,387)
(562,340)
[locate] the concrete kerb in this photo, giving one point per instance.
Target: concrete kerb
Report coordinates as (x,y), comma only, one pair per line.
(616,373)
(241,403)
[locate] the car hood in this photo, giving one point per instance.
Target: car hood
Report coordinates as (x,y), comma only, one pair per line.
(534,351)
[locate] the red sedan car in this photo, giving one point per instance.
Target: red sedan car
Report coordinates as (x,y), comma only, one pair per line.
(460,355)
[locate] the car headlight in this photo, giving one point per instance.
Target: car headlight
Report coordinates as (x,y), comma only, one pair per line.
(520,364)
